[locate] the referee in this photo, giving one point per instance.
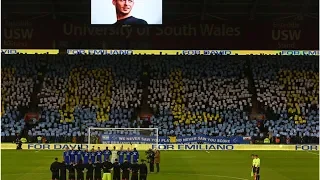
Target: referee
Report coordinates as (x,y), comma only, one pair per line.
(256,168)
(253,162)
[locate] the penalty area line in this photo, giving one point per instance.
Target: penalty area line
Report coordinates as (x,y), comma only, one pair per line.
(312,153)
(207,175)
(24,173)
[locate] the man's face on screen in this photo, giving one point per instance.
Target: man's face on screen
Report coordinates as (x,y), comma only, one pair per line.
(123,6)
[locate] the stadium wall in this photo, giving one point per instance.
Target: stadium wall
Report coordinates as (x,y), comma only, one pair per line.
(104,52)
(206,147)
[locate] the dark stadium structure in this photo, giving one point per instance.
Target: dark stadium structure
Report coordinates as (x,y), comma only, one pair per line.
(175,10)
(207,24)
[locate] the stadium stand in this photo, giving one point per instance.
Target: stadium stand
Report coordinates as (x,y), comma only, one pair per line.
(76,94)
(185,95)
(17,81)
(289,90)
(195,95)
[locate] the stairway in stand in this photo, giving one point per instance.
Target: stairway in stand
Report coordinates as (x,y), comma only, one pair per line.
(257,112)
(32,112)
(145,109)
(35,100)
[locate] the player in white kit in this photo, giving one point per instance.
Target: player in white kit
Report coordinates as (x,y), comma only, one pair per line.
(114,155)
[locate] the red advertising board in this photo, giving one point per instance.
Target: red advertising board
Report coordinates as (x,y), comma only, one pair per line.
(286,34)
(26,34)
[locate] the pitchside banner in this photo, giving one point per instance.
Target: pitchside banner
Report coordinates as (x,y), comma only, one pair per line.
(143,147)
(282,35)
(140,139)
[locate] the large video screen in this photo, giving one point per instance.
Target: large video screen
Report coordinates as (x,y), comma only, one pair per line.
(126,12)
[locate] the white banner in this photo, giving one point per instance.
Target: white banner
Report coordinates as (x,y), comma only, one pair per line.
(170,147)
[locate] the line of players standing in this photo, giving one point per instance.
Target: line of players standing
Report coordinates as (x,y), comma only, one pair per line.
(73,156)
(76,161)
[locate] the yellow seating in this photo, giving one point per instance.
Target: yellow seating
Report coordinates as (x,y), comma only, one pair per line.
(293,94)
(75,95)
(178,100)
(7,74)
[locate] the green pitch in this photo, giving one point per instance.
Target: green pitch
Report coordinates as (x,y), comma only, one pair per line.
(184,165)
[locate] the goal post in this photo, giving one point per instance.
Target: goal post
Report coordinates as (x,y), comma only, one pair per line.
(131,137)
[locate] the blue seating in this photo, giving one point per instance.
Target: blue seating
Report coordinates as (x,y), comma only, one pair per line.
(185,96)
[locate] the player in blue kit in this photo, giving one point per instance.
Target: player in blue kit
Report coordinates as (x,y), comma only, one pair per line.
(66,156)
(72,153)
(86,156)
(107,154)
(79,155)
(99,155)
(121,155)
(135,155)
(93,156)
(128,155)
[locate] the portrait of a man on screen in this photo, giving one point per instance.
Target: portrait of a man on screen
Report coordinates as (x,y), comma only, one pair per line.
(123,10)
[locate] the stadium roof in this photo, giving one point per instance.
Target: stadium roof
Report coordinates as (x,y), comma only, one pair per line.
(174,9)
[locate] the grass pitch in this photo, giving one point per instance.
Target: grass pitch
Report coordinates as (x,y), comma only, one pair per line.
(184,165)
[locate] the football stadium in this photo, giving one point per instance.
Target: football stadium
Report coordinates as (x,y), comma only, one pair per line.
(159,90)
(205,114)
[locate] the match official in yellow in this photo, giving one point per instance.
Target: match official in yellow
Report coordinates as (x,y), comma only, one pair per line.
(252,167)
(256,168)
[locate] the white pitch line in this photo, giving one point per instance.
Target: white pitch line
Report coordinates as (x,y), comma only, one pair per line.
(51,156)
(184,157)
(207,175)
(312,153)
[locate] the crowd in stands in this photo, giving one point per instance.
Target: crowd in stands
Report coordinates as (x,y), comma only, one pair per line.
(18,77)
(188,95)
(289,89)
(200,96)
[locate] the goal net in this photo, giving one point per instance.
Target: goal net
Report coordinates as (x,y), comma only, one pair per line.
(131,137)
